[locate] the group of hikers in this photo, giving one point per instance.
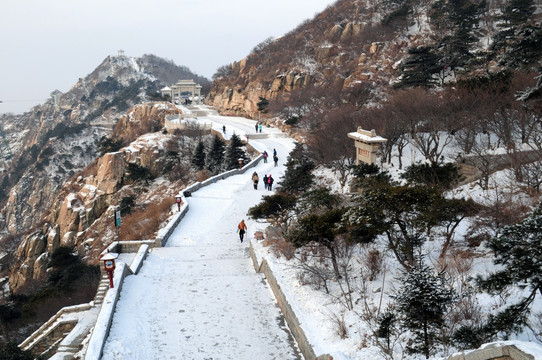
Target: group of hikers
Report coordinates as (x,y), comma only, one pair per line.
(267,181)
(275,157)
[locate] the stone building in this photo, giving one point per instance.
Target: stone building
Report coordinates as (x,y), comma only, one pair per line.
(367,143)
(181,90)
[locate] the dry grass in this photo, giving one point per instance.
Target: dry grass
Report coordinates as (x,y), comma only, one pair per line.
(144,222)
(202,175)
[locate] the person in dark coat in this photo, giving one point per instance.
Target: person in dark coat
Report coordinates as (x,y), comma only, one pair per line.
(265,184)
(276,159)
(270,181)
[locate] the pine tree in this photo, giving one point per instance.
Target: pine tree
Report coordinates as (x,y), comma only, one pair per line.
(215,156)
(518,12)
(320,228)
(137,172)
(262,105)
(457,21)
(198,159)
(386,327)
(422,302)
(419,67)
(234,152)
(298,176)
(518,255)
(519,41)
(405,214)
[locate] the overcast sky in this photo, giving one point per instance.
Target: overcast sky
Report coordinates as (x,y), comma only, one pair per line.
(48,45)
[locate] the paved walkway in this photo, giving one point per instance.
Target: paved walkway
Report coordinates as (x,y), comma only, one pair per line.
(199,297)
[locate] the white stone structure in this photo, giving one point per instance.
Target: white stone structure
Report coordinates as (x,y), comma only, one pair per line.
(55,95)
(182,86)
(367,143)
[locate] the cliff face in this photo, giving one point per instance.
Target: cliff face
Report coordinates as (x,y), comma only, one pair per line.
(143,119)
(41,149)
(337,51)
(85,201)
(39,183)
(356,52)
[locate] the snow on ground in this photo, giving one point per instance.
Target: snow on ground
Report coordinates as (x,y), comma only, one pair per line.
(199,297)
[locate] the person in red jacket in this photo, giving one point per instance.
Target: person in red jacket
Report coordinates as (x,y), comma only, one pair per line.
(242,229)
(270,181)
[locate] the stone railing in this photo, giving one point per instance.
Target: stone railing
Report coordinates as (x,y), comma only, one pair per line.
(105,317)
(286,309)
(46,335)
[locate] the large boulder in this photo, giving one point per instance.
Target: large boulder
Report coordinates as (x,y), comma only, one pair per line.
(111,168)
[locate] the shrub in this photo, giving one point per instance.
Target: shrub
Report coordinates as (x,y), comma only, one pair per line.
(107,145)
(284,248)
(373,260)
(126,204)
(62,257)
(137,172)
(144,222)
(292,120)
(443,176)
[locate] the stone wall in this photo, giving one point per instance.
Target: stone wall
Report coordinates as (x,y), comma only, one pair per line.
(286,309)
(493,352)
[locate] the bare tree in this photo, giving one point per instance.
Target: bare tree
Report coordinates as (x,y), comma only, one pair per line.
(329,144)
(426,116)
(388,125)
(482,160)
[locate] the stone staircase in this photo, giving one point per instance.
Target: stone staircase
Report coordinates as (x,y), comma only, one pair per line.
(102,290)
(48,339)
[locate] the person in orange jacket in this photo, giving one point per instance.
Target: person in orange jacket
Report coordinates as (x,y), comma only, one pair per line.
(242,229)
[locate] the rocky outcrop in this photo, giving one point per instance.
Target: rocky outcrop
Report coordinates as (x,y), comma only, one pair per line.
(144,118)
(40,182)
(32,247)
(81,203)
(338,60)
(110,172)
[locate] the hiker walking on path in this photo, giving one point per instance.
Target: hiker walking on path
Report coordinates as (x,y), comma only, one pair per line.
(265,184)
(255,180)
(242,229)
(276,160)
(270,181)
(260,128)
(274,152)
(224,129)
(256,127)
(265,156)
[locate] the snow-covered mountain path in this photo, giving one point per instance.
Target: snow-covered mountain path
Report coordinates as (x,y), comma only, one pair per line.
(199,297)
